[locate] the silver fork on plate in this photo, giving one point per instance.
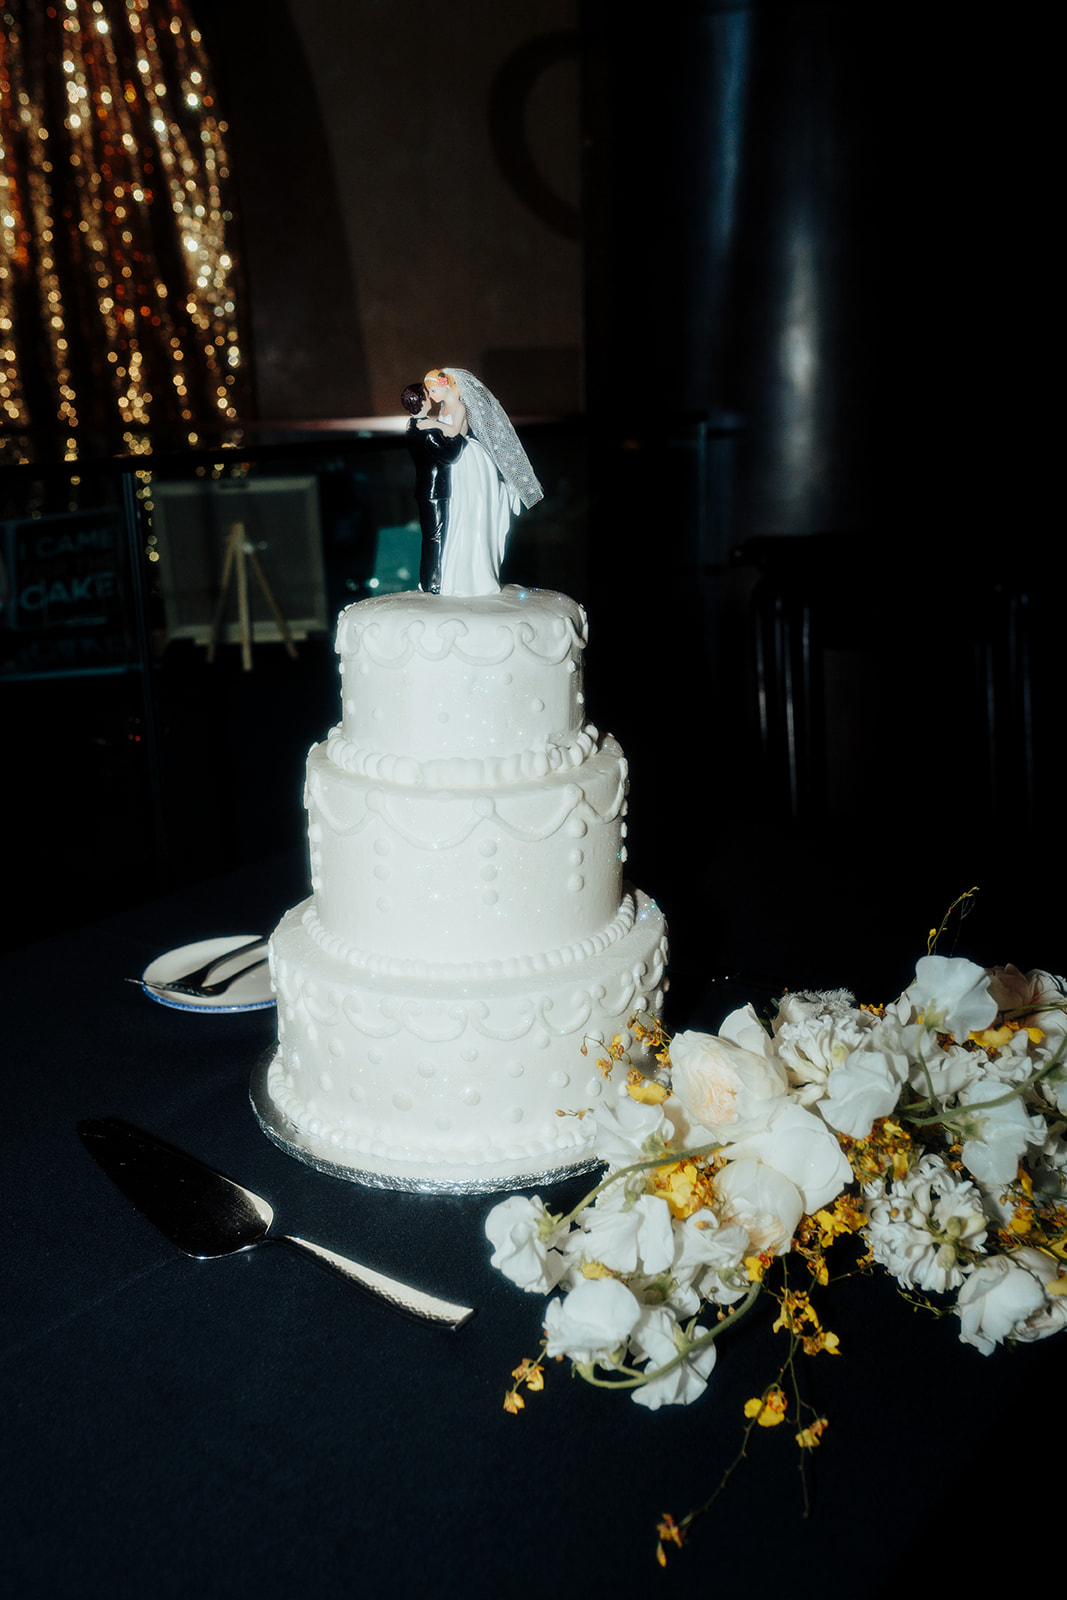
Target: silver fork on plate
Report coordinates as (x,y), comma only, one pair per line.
(192,983)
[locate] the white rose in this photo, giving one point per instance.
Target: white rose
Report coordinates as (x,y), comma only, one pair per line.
(720,1085)
(744,1027)
(1005,1298)
(762,1201)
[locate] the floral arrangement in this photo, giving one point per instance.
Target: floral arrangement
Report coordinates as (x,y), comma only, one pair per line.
(928,1132)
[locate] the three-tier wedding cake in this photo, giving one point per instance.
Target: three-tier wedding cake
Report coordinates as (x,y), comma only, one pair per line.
(469,928)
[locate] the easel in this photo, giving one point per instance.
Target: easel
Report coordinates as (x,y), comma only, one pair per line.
(239,556)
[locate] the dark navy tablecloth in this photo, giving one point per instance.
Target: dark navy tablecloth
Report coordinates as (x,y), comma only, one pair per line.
(254,1427)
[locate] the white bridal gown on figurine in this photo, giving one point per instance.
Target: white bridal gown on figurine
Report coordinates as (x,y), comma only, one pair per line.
(479,516)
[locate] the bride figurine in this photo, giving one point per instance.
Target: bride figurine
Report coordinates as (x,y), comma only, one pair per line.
(492,480)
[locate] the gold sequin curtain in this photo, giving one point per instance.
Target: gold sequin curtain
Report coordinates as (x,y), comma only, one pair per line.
(120,300)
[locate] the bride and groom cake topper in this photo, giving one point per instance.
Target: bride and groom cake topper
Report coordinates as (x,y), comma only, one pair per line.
(471,477)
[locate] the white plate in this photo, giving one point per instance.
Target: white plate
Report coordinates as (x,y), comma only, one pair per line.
(251,992)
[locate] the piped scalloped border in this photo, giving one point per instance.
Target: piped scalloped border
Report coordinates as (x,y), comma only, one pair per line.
(523,966)
(462,772)
(378,1147)
(393,628)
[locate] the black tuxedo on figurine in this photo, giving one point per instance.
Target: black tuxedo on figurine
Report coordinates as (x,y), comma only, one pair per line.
(433,454)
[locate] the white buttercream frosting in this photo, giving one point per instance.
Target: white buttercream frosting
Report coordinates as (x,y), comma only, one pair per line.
(463,772)
(426,676)
(469,927)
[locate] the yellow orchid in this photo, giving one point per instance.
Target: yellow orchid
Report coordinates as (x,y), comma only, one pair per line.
(995,1038)
(646,1091)
(769,1410)
(809,1437)
(823,1341)
(669,1533)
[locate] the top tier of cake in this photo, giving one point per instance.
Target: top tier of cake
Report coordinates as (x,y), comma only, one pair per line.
(443,691)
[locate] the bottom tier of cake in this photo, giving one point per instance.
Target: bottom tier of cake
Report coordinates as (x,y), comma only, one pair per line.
(455,1084)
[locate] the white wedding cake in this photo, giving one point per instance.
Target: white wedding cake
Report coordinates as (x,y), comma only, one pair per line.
(469,928)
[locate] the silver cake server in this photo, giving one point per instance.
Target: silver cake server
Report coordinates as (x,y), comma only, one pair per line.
(207,1215)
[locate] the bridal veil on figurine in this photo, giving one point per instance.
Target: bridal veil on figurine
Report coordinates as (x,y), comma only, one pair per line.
(467,497)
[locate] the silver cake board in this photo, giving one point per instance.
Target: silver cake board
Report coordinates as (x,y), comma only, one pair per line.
(450,1180)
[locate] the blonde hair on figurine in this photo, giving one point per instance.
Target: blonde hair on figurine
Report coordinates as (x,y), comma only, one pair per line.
(438,375)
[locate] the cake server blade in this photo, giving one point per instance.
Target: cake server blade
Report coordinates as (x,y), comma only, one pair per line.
(207,1215)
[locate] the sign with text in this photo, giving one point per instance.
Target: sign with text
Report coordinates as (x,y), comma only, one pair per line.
(62,594)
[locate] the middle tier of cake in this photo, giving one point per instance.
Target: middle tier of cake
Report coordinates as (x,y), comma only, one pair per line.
(405,875)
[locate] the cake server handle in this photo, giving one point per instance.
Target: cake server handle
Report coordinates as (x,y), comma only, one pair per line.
(398,1296)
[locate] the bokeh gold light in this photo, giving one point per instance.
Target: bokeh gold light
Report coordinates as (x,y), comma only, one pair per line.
(119,283)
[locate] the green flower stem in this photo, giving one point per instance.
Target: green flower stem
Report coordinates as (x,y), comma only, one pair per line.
(656,1023)
(949,1118)
(800,1405)
(552,1223)
(635,1379)
(1013,1013)
(694,1516)
(1016,1092)
(935,933)
(931,1097)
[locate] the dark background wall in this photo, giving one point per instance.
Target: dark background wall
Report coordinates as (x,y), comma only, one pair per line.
(749,254)
(409,183)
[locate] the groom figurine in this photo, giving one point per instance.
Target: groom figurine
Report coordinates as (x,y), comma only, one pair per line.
(433,454)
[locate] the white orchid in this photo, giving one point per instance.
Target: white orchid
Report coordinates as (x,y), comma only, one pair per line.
(623,1127)
(956,1092)
(864,1087)
(799,1145)
(1034,999)
(702,1240)
(952,995)
(1052,1317)
(658,1338)
(521,1233)
(593,1322)
(940,1071)
(707,1265)
(625,1235)
(994,1135)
